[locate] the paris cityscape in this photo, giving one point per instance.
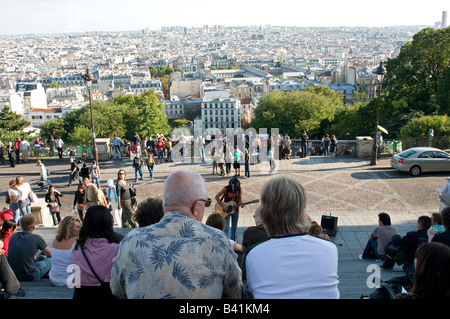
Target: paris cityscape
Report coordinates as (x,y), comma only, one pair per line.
(96,72)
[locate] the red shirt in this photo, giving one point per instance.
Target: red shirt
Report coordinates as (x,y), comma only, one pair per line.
(6,214)
(5,238)
(232,196)
(159,145)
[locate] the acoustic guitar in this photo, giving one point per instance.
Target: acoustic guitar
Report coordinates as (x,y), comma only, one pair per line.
(231,207)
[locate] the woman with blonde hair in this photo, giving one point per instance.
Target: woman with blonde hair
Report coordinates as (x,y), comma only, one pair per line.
(291,264)
(13,198)
(62,249)
(25,192)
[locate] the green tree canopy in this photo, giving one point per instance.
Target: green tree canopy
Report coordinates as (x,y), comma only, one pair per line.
(415,74)
(419,127)
(11,124)
(123,116)
(295,111)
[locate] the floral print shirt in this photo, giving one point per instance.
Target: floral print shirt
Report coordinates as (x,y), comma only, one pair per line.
(178,257)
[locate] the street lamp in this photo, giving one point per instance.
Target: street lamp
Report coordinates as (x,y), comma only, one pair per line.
(380,71)
(88,78)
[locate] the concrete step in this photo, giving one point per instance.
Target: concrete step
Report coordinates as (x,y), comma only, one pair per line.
(44,289)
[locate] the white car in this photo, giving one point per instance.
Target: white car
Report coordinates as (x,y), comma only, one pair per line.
(417,160)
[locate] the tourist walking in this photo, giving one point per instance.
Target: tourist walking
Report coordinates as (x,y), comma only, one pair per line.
(124,200)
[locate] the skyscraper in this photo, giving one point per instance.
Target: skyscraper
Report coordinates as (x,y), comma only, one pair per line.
(444,19)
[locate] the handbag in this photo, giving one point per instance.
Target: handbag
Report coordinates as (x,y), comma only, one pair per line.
(33,197)
(132,191)
(55,209)
(105,288)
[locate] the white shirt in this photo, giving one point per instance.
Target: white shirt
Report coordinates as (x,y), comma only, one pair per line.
(59,143)
(25,190)
(61,259)
(43,171)
(24,145)
(293,267)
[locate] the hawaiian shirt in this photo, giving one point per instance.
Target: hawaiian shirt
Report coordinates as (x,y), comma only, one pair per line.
(179,257)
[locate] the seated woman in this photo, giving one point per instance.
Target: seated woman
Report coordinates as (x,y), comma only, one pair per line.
(94,253)
(62,247)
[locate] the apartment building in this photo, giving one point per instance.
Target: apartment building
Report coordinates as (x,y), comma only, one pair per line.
(220,110)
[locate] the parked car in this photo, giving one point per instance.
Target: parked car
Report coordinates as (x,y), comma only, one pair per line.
(417,160)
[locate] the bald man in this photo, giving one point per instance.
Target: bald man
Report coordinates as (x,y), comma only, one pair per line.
(179,257)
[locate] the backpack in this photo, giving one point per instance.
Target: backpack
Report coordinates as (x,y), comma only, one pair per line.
(137,162)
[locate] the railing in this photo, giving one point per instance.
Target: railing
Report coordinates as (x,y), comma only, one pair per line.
(343,148)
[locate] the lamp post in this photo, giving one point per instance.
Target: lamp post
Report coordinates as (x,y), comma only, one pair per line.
(88,78)
(380,71)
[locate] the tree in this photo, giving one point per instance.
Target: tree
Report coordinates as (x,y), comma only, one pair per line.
(81,135)
(153,71)
(416,72)
(295,111)
(11,124)
(165,84)
(442,92)
(419,127)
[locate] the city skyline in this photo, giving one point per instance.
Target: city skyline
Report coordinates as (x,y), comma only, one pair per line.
(53,16)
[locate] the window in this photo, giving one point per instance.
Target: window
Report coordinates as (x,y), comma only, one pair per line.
(441,155)
(429,154)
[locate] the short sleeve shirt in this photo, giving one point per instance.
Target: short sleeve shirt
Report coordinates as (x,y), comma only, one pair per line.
(23,247)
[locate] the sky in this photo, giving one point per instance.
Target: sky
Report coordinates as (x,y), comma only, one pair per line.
(62,16)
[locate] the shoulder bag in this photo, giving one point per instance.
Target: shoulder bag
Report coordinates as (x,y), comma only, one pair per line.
(104,286)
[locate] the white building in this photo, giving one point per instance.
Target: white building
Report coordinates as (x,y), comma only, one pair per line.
(37,116)
(220,110)
(139,86)
(25,97)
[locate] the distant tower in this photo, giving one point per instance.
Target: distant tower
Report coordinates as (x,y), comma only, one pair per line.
(444,19)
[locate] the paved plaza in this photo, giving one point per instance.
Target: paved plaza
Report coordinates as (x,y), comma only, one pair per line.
(348,188)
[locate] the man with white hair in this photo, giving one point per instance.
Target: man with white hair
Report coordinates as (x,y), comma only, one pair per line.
(179,257)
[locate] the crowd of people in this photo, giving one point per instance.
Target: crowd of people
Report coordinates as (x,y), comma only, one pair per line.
(172,253)
(424,255)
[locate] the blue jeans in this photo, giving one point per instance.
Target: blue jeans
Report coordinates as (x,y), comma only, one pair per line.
(160,156)
(25,207)
(73,176)
(136,172)
(96,181)
(231,233)
(16,209)
(150,169)
(42,267)
(116,149)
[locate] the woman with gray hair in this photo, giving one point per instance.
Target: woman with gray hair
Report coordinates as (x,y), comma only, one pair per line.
(291,264)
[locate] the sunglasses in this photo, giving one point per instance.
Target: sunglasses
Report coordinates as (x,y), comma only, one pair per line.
(207,201)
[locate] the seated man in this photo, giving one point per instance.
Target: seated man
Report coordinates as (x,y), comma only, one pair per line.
(178,257)
(380,236)
(9,284)
(23,246)
(409,243)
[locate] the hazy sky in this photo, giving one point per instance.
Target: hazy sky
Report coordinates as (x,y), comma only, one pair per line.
(43,16)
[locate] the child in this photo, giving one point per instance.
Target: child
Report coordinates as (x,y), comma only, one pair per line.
(214,164)
(228,161)
(217,221)
(247,164)
(221,162)
(8,228)
(150,164)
